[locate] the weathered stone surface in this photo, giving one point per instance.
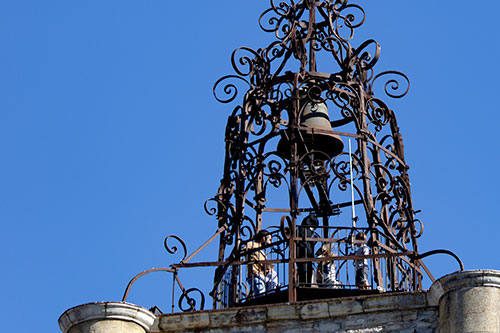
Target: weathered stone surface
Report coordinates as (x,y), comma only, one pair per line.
(188,320)
(106,317)
(314,311)
(468,301)
(341,307)
(461,302)
(384,313)
(106,326)
(277,313)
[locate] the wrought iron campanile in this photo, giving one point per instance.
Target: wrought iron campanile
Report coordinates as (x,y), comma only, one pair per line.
(288,135)
(315,199)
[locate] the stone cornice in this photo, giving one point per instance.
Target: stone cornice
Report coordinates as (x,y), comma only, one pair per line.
(463,279)
(106,311)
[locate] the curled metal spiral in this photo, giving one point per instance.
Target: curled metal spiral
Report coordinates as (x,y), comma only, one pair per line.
(348,18)
(229,88)
(212,210)
(342,169)
(248,229)
(364,58)
(173,249)
(392,86)
(251,63)
(274,171)
(188,303)
(279,18)
(346,98)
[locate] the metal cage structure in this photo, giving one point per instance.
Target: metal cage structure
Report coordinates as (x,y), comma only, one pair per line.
(316,160)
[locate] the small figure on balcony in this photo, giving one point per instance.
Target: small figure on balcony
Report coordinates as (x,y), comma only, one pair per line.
(305,249)
(271,278)
(256,272)
(361,264)
(327,271)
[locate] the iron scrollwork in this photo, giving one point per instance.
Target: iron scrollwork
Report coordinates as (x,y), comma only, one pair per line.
(269,142)
(286,156)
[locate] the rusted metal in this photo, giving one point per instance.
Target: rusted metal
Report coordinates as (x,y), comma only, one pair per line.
(204,245)
(138,276)
(442,251)
(278,159)
(271,110)
(275,261)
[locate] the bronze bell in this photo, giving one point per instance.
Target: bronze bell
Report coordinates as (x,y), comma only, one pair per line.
(316,131)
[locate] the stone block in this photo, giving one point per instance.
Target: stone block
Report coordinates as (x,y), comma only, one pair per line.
(238,317)
(344,307)
(282,312)
(326,325)
(314,311)
(186,320)
(281,326)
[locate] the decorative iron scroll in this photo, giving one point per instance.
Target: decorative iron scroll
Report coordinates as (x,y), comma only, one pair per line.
(187,301)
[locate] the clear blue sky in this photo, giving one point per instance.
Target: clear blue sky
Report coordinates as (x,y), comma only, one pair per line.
(110,137)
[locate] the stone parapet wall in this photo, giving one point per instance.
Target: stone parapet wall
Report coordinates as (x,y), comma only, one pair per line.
(384,313)
(466,301)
